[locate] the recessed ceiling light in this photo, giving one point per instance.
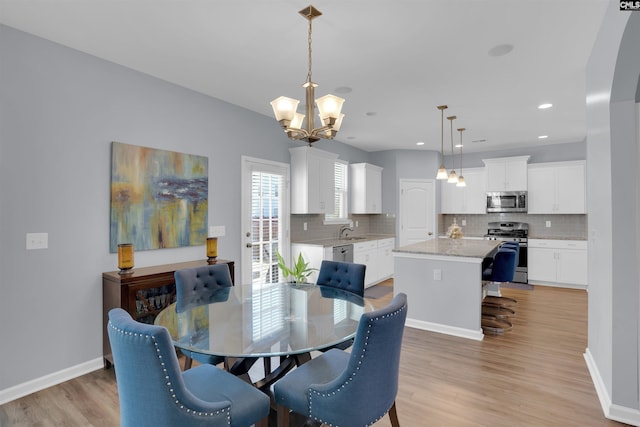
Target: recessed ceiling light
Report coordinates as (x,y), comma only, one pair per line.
(543,137)
(371,113)
(459,145)
(544,106)
(351,137)
(479,140)
(500,50)
(419,143)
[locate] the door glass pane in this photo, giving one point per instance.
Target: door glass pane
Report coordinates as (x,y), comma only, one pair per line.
(266,205)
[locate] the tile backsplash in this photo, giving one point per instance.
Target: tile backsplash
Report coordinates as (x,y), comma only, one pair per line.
(316,229)
(561,226)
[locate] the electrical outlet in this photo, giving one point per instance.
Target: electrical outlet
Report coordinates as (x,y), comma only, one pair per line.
(548,224)
(437,274)
(37,240)
(304,226)
(464,222)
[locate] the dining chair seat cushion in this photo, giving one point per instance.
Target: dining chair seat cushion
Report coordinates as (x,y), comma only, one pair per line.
(246,399)
(319,370)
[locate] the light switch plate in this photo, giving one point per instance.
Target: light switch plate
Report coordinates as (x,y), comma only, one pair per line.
(217,231)
(437,274)
(37,241)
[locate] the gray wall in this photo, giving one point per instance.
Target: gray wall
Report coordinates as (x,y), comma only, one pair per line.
(612,183)
(59,111)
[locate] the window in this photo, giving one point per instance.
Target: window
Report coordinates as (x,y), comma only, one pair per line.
(341,192)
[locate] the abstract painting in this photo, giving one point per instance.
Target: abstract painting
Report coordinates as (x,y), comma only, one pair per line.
(159,198)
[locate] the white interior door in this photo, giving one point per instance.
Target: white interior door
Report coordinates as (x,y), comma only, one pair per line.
(265,219)
(417,211)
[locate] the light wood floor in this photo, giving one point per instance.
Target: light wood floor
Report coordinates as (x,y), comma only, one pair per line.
(534,375)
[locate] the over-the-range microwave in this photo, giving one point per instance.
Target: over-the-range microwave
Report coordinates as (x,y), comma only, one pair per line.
(506,201)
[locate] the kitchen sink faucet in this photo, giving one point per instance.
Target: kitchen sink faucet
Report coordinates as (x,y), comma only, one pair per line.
(343,231)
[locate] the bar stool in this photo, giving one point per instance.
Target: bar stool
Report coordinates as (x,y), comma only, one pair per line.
(495,309)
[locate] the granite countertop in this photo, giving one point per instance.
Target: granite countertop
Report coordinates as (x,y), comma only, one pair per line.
(451,247)
(329,242)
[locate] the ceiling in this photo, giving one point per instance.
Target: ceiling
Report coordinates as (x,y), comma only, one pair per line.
(399,58)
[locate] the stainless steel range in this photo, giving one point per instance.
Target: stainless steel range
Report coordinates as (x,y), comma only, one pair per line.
(512,232)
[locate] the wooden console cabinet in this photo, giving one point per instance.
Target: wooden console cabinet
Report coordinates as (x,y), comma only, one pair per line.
(143,293)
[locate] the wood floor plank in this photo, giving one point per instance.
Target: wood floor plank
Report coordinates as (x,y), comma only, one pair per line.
(534,375)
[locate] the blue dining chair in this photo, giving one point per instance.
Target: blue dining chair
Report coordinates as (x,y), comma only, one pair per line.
(346,276)
(350,389)
(154,392)
(198,286)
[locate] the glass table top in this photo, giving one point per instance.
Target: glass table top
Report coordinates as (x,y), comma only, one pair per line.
(265,320)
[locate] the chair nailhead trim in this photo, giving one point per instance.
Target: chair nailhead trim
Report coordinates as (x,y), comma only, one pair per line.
(343,385)
(168,384)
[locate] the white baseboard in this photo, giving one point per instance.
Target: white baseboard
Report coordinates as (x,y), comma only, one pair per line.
(444,329)
(47,381)
(611,411)
(558,285)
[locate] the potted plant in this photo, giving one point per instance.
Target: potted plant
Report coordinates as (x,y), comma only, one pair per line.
(298,272)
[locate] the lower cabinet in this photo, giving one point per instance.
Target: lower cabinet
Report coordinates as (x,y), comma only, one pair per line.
(377,256)
(558,261)
(313,254)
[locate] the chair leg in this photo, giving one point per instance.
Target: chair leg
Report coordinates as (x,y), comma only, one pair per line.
(282,414)
(187,362)
(393,416)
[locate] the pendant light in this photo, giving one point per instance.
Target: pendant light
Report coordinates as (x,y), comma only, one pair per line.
(461,182)
(442,171)
(453,178)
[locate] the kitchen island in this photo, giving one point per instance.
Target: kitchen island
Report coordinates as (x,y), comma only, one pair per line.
(443,282)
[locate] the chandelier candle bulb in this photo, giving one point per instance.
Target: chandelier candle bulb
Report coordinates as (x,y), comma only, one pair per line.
(125,257)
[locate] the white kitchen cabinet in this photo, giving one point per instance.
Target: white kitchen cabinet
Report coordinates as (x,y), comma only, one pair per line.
(507,173)
(557,188)
(313,254)
(385,258)
(312,180)
(562,262)
(470,199)
(365,185)
(367,253)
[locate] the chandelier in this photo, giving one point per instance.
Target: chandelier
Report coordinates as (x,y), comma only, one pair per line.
(461,181)
(453,178)
(329,106)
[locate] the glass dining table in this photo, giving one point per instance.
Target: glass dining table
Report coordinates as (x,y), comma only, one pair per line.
(245,323)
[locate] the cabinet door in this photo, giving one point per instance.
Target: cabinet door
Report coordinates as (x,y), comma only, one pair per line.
(572,266)
(475,193)
(374,190)
(541,194)
(366,188)
(542,264)
(451,198)
(367,253)
(385,258)
(496,177)
(570,189)
(516,175)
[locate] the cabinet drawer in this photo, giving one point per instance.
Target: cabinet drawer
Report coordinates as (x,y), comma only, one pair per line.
(364,246)
(386,243)
(558,244)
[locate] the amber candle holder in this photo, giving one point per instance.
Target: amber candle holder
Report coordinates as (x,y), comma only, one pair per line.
(212,248)
(125,257)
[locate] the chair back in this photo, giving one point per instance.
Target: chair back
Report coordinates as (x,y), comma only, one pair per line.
(504,265)
(512,245)
(151,388)
(347,276)
(201,285)
(367,388)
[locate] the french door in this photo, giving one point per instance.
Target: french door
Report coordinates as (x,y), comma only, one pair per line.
(265,219)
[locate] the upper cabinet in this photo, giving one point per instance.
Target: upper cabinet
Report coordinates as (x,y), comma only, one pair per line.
(365,184)
(507,173)
(557,188)
(470,199)
(312,180)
